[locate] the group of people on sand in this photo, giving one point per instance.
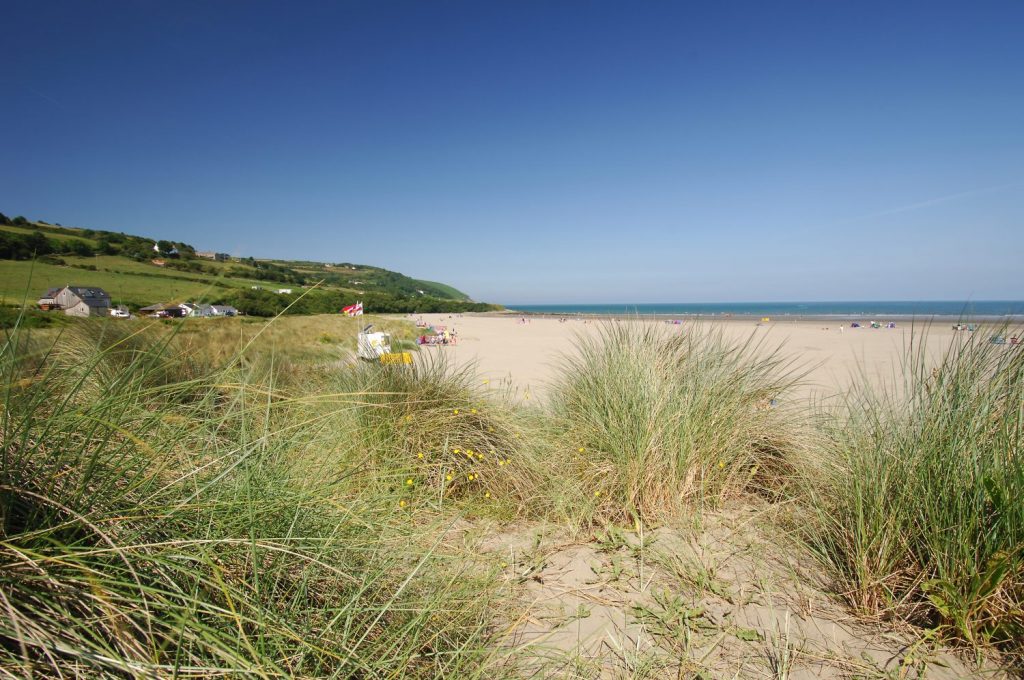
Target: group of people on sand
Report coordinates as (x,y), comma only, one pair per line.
(436,335)
(441,337)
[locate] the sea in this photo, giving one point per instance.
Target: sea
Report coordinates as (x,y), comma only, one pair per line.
(867,309)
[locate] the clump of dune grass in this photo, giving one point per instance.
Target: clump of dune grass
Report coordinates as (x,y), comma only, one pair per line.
(153,527)
(427,429)
(917,494)
(648,420)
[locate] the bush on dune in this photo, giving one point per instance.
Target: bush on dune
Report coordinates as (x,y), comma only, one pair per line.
(917,495)
(427,429)
(650,420)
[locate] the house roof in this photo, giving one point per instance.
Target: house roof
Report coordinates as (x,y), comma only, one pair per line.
(88,292)
(94,297)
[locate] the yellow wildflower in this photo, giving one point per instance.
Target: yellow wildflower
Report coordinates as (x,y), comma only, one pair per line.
(471,477)
(501,462)
(448,477)
(581,449)
(721,464)
(456,450)
(420,456)
(487,495)
(473,411)
(597,494)
(401,504)
(408,482)
(455,411)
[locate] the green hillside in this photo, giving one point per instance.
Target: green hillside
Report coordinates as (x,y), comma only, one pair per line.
(36,256)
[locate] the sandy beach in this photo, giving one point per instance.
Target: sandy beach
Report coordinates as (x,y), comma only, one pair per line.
(524,356)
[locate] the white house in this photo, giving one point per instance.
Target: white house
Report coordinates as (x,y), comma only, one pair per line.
(196,309)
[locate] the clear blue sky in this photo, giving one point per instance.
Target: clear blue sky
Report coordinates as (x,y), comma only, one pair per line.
(531,152)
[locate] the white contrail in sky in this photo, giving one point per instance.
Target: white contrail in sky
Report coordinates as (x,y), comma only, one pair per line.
(935,201)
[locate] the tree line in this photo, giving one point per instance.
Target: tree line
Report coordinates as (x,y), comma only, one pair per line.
(265,303)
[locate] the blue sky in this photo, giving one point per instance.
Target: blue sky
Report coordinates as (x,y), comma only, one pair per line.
(531,152)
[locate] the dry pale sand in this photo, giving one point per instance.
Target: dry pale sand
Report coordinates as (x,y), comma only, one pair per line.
(525,355)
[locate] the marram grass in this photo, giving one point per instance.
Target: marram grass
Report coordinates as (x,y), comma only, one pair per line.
(915,502)
(653,420)
(232,501)
(160,528)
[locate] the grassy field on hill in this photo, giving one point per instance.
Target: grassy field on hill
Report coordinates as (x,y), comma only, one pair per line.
(233,496)
(124,266)
(124,287)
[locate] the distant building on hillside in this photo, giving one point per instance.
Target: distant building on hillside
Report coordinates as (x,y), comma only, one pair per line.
(210,255)
(152,309)
(77,301)
(284,291)
(196,309)
(190,309)
(166,310)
